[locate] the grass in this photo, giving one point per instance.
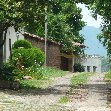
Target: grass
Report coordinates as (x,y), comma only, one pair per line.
(63,100)
(34,83)
(44,81)
(81,78)
(108,76)
(52,72)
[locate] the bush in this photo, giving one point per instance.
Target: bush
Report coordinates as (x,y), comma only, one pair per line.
(6,73)
(36,74)
(28,57)
(22,43)
(78,67)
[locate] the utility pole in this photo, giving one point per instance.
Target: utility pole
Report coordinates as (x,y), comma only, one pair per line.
(45,35)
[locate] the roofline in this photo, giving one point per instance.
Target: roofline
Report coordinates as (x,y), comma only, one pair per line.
(26,34)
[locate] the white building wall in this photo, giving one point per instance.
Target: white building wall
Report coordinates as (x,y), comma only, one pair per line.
(89,61)
(92,61)
(14,36)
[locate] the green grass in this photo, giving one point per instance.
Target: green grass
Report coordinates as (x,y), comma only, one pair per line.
(34,83)
(49,72)
(63,100)
(108,76)
(44,81)
(81,78)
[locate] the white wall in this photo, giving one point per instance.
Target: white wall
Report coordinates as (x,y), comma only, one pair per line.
(90,61)
(14,36)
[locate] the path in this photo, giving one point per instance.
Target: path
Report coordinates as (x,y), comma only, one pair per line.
(39,100)
(96,99)
(47,99)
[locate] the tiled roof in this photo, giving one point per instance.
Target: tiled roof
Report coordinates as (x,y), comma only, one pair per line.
(40,38)
(51,41)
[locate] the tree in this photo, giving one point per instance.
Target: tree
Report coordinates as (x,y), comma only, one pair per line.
(102,8)
(64,24)
(17,13)
(30,15)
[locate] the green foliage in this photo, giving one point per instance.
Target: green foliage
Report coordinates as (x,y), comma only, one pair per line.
(64,19)
(64,24)
(80,78)
(108,76)
(36,74)
(29,57)
(6,73)
(41,76)
(102,8)
(64,99)
(52,72)
(22,43)
(78,67)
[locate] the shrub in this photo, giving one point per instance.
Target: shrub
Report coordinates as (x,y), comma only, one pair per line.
(22,43)
(6,72)
(29,56)
(78,67)
(19,74)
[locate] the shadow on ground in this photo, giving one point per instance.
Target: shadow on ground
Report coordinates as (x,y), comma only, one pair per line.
(61,89)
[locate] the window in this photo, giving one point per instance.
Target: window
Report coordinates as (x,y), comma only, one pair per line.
(94,68)
(88,68)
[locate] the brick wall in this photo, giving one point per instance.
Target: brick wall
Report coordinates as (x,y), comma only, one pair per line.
(53,51)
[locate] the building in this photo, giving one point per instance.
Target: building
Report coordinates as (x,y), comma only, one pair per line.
(91,63)
(11,36)
(54,58)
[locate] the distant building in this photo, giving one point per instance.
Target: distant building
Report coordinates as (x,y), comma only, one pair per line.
(91,63)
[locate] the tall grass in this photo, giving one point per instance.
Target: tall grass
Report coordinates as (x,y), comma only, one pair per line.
(108,76)
(80,78)
(44,81)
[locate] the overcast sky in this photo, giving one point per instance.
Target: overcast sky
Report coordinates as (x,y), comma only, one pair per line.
(87,17)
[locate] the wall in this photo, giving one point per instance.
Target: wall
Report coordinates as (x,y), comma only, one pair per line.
(53,51)
(11,34)
(90,61)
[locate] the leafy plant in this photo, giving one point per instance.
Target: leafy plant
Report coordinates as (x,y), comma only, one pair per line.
(22,43)
(6,72)
(28,57)
(108,76)
(78,67)
(64,99)
(80,78)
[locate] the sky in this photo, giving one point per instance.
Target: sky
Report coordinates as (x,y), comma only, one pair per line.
(87,17)
(90,41)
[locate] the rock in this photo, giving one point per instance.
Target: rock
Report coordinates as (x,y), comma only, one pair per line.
(27,77)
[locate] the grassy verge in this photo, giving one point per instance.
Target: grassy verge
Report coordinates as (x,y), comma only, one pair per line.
(47,73)
(108,76)
(80,78)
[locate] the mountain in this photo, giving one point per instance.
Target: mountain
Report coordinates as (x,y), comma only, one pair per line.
(94,46)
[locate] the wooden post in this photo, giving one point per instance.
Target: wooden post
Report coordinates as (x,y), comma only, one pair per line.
(46,35)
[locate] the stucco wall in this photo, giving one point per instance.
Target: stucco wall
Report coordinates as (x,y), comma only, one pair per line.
(90,61)
(11,34)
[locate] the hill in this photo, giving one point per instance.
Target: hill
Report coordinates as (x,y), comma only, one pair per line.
(94,46)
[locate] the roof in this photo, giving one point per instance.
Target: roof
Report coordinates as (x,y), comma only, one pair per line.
(26,34)
(78,44)
(40,38)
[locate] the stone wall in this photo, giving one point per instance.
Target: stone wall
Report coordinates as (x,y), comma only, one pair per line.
(53,51)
